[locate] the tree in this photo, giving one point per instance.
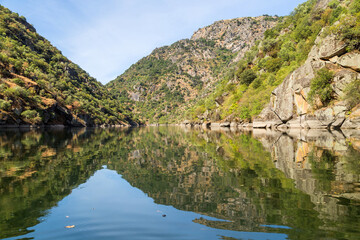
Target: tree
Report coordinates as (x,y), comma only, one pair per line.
(247,77)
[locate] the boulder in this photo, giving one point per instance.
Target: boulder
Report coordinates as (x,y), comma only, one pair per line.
(266,119)
(341,79)
(350,60)
(219,101)
(322,4)
(225,124)
(330,47)
(338,123)
(353,120)
(215,126)
(326,117)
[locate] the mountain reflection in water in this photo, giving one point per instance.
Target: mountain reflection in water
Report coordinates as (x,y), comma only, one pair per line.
(304,184)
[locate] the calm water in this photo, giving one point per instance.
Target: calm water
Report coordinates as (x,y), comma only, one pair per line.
(174,183)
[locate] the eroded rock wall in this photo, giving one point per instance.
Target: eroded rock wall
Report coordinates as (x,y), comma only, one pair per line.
(289,106)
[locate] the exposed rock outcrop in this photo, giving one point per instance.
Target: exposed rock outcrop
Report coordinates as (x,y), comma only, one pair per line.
(289,107)
(236,34)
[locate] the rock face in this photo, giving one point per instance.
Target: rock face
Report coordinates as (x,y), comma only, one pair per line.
(350,60)
(236,34)
(289,108)
(353,120)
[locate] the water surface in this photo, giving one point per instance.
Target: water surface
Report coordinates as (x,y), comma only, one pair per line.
(175,183)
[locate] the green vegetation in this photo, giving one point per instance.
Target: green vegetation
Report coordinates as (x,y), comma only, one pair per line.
(247,77)
(162,80)
(32,116)
(35,77)
(352,93)
(283,49)
(5,105)
(320,88)
(349,26)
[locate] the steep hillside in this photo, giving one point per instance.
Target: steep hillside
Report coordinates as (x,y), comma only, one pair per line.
(38,85)
(313,55)
(162,85)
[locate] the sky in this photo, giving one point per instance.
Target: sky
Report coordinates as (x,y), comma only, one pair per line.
(106,37)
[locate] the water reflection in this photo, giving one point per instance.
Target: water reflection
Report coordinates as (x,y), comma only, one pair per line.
(303,184)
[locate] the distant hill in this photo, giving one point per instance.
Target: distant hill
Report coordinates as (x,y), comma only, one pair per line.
(162,85)
(39,86)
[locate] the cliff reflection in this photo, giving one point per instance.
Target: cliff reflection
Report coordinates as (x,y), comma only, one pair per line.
(306,181)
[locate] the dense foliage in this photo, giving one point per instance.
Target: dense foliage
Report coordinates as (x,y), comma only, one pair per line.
(35,76)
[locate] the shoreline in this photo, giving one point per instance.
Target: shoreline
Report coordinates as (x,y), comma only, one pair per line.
(264,125)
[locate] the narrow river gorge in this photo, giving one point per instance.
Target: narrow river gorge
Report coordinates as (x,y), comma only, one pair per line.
(171,182)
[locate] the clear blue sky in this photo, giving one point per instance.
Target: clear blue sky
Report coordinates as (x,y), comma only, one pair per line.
(106,37)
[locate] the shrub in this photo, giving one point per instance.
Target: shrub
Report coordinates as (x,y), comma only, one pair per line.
(245,113)
(19,82)
(351,32)
(31,116)
(352,93)
(334,4)
(247,77)
(320,87)
(273,64)
(269,44)
(256,83)
(17,91)
(5,105)
(355,7)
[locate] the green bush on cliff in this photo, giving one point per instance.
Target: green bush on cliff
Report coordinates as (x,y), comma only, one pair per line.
(348,28)
(247,77)
(320,87)
(17,92)
(352,93)
(31,116)
(5,105)
(355,7)
(19,82)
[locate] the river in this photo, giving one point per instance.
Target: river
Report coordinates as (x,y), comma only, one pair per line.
(179,183)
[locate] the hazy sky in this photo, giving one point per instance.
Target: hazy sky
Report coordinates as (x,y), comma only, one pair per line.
(106,37)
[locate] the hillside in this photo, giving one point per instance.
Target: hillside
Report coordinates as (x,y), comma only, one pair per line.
(267,72)
(304,74)
(39,86)
(164,84)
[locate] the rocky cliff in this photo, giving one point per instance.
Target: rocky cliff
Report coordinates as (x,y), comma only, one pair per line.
(162,84)
(307,67)
(290,105)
